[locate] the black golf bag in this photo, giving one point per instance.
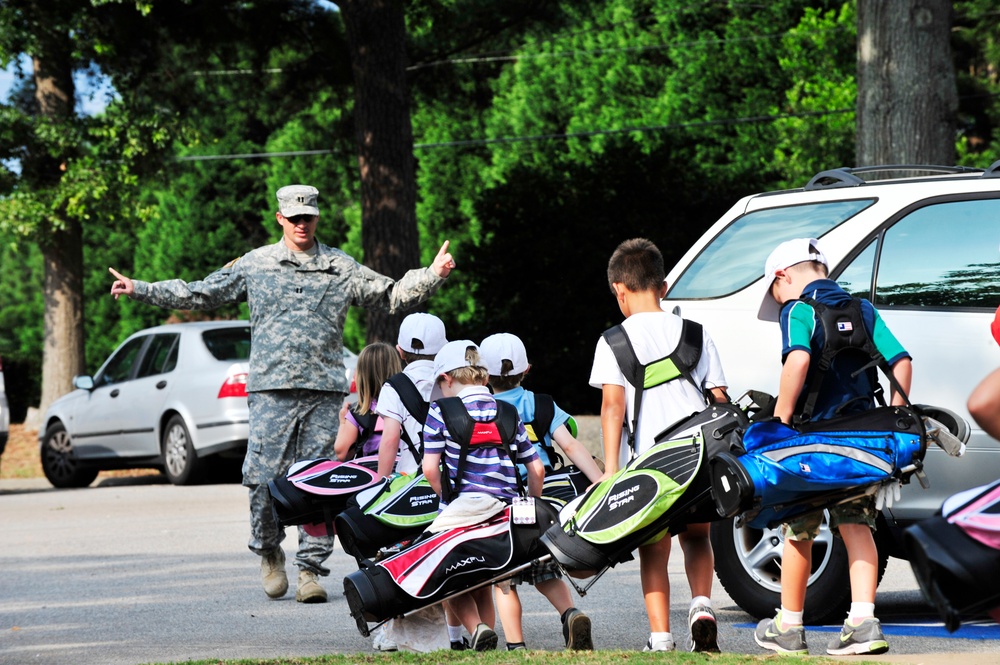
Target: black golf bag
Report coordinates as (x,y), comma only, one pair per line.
(955,555)
(661,490)
(314,492)
(436,566)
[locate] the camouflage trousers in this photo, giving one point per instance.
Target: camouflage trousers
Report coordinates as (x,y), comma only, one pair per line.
(287,426)
(858,511)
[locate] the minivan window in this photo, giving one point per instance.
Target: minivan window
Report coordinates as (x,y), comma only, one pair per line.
(735,258)
(856,278)
(942,255)
(228,343)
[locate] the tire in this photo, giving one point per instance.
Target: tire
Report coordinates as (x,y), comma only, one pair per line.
(59,462)
(180,461)
(748,564)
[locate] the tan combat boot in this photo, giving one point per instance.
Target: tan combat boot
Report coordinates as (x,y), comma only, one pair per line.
(309,590)
(272,573)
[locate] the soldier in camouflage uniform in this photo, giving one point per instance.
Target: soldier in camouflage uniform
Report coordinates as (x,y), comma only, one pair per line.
(299,292)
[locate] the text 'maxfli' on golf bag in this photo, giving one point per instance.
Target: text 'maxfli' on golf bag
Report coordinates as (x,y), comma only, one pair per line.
(436,566)
(663,489)
(790,471)
(955,556)
(314,492)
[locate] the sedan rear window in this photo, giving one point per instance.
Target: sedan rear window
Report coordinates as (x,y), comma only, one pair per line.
(735,258)
(228,343)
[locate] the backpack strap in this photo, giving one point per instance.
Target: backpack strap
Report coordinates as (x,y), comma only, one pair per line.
(366,427)
(545,412)
(844,328)
(499,431)
(416,406)
(679,363)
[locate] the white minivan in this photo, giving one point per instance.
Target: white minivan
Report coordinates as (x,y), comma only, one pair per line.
(925,249)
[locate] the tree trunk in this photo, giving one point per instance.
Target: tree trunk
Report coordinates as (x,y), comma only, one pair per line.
(376,32)
(61,237)
(907,94)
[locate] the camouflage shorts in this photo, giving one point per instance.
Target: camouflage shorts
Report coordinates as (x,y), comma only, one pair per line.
(806,527)
(538,572)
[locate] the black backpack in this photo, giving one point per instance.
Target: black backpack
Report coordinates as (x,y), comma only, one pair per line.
(499,432)
(844,330)
(679,364)
(416,406)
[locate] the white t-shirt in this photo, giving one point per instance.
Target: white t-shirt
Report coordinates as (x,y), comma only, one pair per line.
(421,372)
(654,335)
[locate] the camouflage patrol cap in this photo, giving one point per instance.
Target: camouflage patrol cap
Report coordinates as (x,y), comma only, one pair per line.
(298,200)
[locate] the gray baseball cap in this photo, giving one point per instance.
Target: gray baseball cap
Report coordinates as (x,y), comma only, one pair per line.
(298,200)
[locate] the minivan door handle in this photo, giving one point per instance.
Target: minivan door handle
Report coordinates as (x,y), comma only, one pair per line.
(114,393)
(160,385)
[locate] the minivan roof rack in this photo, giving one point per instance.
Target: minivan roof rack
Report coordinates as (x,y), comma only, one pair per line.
(846,176)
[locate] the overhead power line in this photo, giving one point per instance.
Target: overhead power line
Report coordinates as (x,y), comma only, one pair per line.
(538,137)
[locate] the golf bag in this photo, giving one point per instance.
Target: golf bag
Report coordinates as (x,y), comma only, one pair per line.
(663,489)
(398,509)
(314,492)
(788,472)
(955,555)
(395,509)
(436,566)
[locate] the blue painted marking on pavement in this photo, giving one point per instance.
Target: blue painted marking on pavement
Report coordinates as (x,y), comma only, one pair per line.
(971,630)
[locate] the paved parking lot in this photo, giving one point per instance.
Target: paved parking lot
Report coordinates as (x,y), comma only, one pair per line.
(136,571)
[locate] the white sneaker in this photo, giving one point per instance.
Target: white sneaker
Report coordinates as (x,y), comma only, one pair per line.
(660,645)
(382,641)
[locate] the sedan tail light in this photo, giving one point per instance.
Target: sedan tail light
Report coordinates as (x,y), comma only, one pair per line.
(234,386)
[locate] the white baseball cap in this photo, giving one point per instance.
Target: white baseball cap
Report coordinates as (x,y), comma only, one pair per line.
(786,255)
(452,356)
(503,346)
(422,330)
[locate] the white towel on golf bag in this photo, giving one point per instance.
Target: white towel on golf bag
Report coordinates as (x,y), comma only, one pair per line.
(466,510)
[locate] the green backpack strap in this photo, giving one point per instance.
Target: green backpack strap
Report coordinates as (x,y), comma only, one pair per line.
(679,363)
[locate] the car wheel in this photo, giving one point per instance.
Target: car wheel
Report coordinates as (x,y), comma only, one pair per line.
(180,462)
(748,564)
(59,462)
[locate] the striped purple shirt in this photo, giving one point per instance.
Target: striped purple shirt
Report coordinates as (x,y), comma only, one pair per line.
(487,469)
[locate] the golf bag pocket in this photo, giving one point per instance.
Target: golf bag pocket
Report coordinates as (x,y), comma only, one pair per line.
(313,492)
(394,509)
(563,485)
(955,555)
(436,566)
(786,472)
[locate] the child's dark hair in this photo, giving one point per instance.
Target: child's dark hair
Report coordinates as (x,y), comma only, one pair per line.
(414,357)
(507,381)
(638,265)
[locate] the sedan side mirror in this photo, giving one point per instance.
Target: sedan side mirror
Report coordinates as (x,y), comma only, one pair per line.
(83,382)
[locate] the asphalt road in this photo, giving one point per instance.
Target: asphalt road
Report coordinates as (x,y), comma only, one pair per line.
(141,572)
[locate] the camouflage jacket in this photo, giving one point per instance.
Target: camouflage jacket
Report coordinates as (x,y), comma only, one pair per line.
(297,311)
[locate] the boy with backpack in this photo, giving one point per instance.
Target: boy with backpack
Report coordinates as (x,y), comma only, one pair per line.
(507,362)
(403,399)
(638,281)
(799,296)
(480,474)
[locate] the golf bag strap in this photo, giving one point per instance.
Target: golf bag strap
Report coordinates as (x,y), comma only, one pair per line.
(416,406)
(837,339)
(545,412)
(679,363)
(460,425)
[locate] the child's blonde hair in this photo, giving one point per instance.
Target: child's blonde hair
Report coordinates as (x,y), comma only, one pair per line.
(474,374)
(376,363)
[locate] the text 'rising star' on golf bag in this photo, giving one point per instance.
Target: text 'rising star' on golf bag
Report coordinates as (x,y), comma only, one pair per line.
(790,471)
(439,564)
(955,555)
